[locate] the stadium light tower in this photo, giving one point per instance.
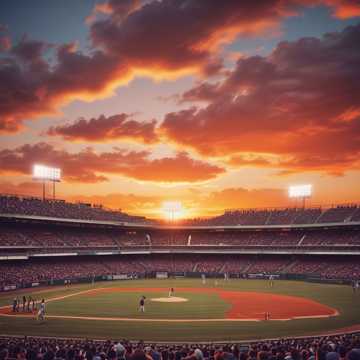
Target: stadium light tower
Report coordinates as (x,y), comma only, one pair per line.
(300,191)
(45,173)
(171,209)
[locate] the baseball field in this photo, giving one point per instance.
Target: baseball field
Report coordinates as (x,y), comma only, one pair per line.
(215,311)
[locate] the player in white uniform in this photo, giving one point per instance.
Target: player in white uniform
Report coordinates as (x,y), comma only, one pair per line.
(171,292)
(203,279)
(41,312)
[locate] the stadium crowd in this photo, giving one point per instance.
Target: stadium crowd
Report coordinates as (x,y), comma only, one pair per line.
(337,214)
(51,236)
(62,209)
(67,268)
(27,235)
(35,239)
(336,347)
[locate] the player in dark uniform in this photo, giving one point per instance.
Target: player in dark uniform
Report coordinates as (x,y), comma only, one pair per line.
(29,304)
(17,304)
(14,306)
(33,305)
(171,292)
(142,304)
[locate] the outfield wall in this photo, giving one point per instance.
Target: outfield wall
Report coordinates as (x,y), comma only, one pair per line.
(152,275)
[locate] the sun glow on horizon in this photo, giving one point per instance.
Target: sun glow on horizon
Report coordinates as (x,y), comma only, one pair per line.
(173,210)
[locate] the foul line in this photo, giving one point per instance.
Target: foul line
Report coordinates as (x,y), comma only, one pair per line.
(57,298)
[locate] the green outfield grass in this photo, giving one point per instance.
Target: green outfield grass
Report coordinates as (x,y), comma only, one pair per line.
(125,305)
(210,306)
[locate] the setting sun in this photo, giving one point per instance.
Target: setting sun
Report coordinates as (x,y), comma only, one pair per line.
(172,210)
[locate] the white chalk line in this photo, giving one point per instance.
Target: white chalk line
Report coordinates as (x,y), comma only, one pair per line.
(58,297)
(98,318)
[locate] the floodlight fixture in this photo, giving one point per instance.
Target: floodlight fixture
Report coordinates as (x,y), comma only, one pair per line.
(45,173)
(300,191)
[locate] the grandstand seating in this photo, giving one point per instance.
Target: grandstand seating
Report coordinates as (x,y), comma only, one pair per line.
(346,346)
(62,209)
(35,236)
(190,249)
(37,270)
(285,216)
(326,268)
(338,214)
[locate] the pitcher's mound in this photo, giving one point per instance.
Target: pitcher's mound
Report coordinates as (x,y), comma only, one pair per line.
(169,299)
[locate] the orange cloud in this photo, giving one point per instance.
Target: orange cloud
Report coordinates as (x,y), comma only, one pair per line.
(344,9)
(334,165)
(158,39)
(299,103)
(5,43)
(102,129)
(30,87)
(89,166)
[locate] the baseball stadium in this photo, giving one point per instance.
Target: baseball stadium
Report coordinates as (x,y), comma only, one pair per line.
(180,180)
(243,275)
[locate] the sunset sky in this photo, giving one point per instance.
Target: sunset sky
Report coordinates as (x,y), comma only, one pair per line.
(217,104)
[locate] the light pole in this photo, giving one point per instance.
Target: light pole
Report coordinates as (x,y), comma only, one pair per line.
(44,173)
